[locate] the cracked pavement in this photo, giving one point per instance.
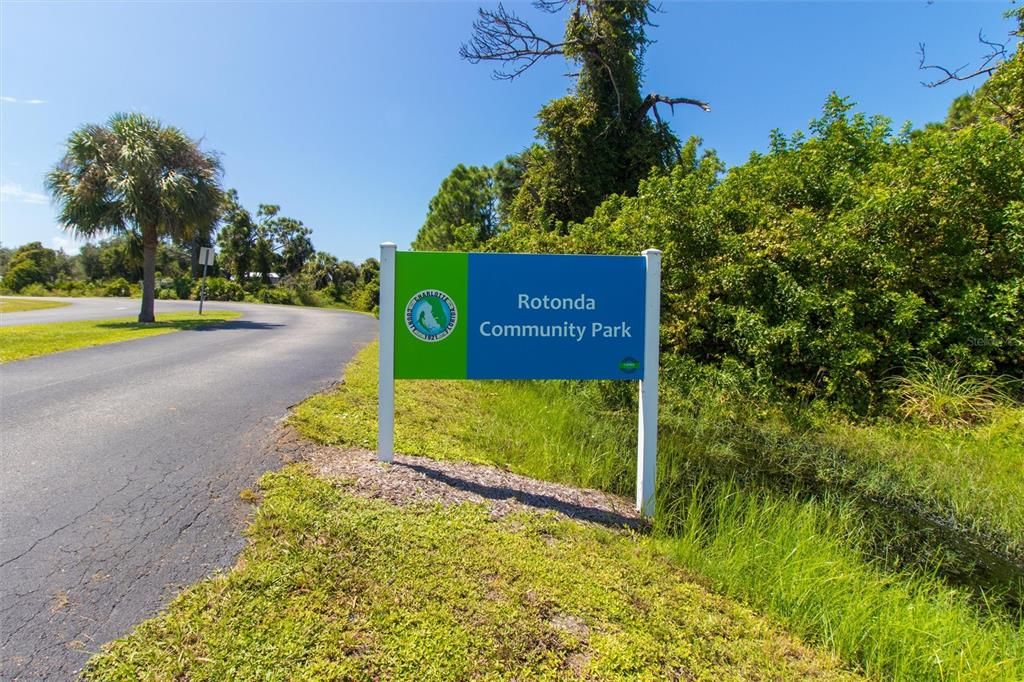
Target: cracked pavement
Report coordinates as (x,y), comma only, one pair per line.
(121,468)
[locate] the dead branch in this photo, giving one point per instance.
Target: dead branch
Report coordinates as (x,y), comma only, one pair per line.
(653,100)
(502,36)
(990,62)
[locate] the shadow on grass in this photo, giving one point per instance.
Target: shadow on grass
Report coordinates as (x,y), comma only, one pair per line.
(193,325)
(578,509)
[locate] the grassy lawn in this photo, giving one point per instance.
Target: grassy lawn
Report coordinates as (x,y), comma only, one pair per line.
(18,305)
(767,511)
(338,587)
(26,341)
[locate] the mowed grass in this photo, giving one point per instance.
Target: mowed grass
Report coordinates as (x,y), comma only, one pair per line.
(19,305)
(794,553)
(338,587)
(26,341)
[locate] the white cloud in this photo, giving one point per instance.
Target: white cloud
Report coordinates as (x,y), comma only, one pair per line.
(12,192)
(15,100)
(68,245)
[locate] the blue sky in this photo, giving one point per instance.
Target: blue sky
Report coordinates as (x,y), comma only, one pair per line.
(349,115)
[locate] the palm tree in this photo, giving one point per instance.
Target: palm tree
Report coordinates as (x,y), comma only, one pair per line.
(135,175)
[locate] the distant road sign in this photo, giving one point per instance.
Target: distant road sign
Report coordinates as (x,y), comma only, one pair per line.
(205,255)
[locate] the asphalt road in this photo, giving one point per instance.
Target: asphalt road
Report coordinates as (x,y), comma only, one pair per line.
(121,466)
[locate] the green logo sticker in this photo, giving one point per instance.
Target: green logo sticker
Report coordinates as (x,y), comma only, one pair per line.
(629,365)
(431,315)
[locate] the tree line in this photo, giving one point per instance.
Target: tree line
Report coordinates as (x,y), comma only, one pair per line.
(823,268)
(153,199)
(114,267)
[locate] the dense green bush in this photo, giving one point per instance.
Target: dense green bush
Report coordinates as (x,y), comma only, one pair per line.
(833,260)
(218,289)
(34,289)
(273,295)
(118,287)
(174,288)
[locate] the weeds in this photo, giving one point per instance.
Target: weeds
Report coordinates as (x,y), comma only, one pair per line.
(943,395)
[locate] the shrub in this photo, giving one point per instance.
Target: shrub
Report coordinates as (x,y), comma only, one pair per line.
(834,258)
(118,287)
(24,274)
(35,290)
(173,288)
(219,289)
(274,295)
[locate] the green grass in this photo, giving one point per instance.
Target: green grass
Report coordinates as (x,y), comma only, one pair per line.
(19,305)
(30,340)
(974,478)
(334,586)
(767,508)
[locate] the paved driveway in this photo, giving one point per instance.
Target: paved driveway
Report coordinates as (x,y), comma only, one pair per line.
(121,466)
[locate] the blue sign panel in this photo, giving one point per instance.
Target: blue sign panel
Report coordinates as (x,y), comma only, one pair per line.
(555,317)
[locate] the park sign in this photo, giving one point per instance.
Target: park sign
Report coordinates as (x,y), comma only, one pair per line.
(518,316)
(522,316)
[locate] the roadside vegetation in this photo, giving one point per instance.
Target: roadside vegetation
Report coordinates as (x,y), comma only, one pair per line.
(842,429)
(814,520)
(29,340)
(19,305)
(113,267)
(334,586)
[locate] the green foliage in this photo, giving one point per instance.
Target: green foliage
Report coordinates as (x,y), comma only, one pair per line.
(835,258)
(598,140)
(34,289)
(334,586)
(135,175)
(118,287)
(218,289)
(944,395)
(464,212)
(236,238)
(270,244)
(5,259)
(279,296)
(798,560)
(33,263)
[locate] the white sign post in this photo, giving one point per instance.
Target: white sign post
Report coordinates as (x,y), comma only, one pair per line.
(647,427)
(386,385)
(206,258)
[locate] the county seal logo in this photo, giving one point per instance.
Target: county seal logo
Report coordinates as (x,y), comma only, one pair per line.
(431,315)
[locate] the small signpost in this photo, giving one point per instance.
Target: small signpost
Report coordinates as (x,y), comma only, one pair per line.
(522,316)
(206,258)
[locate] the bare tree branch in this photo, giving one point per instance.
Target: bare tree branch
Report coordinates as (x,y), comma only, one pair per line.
(990,62)
(502,36)
(653,100)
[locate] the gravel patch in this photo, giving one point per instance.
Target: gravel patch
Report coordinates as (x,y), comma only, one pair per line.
(410,480)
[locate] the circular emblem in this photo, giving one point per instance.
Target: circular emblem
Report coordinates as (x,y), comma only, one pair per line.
(430,315)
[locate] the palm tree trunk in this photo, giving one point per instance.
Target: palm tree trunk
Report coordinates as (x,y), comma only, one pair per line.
(149,241)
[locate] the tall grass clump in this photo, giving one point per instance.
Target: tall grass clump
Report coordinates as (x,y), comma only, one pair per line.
(797,560)
(944,395)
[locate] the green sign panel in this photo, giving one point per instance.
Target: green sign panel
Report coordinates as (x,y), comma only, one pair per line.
(430,295)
